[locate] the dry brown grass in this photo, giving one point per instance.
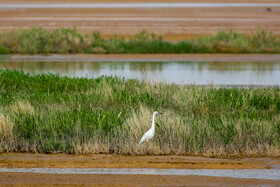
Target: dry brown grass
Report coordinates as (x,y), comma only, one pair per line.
(22,106)
(7,138)
(94,146)
(6,128)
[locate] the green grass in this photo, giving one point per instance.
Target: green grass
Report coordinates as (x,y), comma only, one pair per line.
(48,113)
(4,50)
(70,41)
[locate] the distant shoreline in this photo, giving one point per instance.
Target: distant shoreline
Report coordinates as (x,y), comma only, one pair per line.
(142,58)
(133,5)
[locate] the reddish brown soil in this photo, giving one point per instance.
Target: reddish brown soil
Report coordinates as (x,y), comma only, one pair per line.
(150,57)
(120,161)
(27,179)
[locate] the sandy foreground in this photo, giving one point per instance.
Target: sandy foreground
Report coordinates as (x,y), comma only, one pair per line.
(119,161)
(172,23)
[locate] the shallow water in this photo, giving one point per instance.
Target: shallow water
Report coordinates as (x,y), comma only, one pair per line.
(200,73)
(234,173)
(133,5)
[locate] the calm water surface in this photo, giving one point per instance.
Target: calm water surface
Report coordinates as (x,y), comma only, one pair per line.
(273,174)
(201,73)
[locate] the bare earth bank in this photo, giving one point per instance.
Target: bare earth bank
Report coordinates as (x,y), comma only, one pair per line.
(171,23)
(29,179)
(144,58)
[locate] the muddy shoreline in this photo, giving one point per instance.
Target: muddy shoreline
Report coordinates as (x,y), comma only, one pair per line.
(29,160)
(142,58)
(28,179)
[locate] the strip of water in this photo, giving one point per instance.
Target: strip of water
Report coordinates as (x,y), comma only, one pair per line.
(272,174)
(135,5)
(198,73)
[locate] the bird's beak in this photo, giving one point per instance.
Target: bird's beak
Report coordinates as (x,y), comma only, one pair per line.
(160,113)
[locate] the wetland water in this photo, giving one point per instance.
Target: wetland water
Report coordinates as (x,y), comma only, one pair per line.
(273,174)
(200,73)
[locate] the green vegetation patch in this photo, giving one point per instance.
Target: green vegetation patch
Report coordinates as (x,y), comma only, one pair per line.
(70,41)
(4,50)
(49,113)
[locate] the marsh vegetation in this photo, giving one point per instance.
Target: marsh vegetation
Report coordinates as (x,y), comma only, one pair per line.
(49,113)
(66,41)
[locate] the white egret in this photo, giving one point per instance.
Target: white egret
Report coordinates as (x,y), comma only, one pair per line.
(150,133)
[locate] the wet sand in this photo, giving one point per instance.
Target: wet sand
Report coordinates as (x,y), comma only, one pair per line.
(172,23)
(27,179)
(120,161)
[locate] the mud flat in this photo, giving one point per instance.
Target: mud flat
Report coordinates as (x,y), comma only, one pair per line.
(143,58)
(173,23)
(37,179)
(119,161)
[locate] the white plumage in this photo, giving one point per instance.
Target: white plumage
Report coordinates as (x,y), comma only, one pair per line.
(150,133)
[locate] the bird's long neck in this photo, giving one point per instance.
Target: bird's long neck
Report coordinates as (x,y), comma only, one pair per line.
(153,123)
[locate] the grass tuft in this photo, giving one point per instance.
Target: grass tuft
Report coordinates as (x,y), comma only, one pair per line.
(23,107)
(6,133)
